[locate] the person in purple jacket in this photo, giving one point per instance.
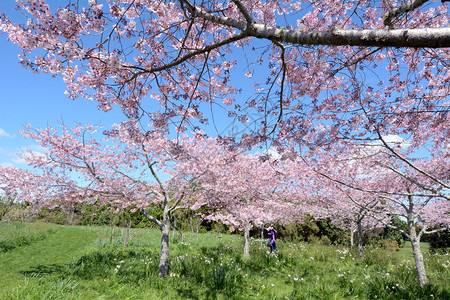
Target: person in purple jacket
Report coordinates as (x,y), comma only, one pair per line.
(272,244)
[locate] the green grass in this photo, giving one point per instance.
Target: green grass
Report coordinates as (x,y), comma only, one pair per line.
(407,252)
(85,263)
(43,256)
(14,235)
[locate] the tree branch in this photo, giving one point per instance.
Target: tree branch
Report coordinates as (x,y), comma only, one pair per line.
(436,230)
(151,218)
(244,11)
(397,38)
(407,7)
(179,61)
(409,163)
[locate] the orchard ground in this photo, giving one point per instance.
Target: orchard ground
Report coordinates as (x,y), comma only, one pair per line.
(46,261)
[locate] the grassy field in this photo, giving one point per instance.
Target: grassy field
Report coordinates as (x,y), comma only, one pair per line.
(44,261)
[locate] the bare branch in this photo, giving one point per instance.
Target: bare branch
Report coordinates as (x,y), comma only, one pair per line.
(412,180)
(283,79)
(407,7)
(179,61)
(151,218)
(409,163)
(244,11)
(175,205)
(437,230)
(397,38)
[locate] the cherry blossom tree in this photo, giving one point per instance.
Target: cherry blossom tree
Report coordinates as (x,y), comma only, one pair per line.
(322,60)
(352,210)
(21,185)
(128,169)
(415,189)
(313,73)
(250,190)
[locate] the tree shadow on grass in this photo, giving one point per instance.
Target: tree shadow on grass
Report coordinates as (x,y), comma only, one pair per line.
(42,270)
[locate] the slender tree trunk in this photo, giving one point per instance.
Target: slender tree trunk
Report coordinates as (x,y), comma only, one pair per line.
(417,252)
(127,235)
(247,243)
(112,234)
(262,231)
(164,255)
(360,240)
(352,236)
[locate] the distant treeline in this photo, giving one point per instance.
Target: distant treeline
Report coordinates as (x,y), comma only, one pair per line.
(321,231)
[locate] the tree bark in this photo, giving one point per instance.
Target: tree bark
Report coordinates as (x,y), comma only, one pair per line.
(416,38)
(247,243)
(127,235)
(165,254)
(360,240)
(417,252)
(352,236)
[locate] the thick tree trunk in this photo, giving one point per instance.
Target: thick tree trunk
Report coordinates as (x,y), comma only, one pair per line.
(360,240)
(417,252)
(164,255)
(247,243)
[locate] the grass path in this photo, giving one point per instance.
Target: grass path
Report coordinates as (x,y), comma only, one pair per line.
(65,245)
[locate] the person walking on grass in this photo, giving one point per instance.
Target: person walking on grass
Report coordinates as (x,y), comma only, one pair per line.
(272,244)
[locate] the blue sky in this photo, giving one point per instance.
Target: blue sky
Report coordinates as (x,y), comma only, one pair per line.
(37,99)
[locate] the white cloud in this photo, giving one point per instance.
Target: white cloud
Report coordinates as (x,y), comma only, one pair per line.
(3,133)
(6,165)
(272,153)
(395,140)
(19,160)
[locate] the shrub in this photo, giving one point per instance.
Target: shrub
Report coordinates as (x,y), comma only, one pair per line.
(390,245)
(440,241)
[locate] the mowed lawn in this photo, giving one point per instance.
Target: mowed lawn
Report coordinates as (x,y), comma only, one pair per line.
(60,246)
(62,262)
